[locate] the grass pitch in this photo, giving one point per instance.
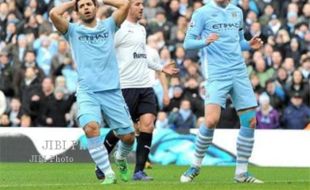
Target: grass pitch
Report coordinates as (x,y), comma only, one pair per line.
(80,176)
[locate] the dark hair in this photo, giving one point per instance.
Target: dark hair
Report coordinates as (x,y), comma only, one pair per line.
(77,1)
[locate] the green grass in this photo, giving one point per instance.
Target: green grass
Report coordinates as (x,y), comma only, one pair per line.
(81,176)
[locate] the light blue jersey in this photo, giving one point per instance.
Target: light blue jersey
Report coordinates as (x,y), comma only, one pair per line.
(93,52)
(224,55)
(222,60)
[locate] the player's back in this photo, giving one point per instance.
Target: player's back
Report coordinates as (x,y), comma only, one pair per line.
(224,54)
(93,52)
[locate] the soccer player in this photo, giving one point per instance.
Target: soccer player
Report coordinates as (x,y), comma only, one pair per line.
(136,84)
(92,45)
(217,29)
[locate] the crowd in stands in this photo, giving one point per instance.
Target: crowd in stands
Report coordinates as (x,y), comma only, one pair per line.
(38,77)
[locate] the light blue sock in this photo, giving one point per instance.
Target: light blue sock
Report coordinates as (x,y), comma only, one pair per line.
(203,140)
(245,144)
(123,150)
(99,154)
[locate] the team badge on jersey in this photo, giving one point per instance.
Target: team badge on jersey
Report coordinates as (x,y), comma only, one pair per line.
(192,24)
(234,14)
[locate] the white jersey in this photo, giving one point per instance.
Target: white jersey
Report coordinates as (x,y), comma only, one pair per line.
(130,46)
(152,56)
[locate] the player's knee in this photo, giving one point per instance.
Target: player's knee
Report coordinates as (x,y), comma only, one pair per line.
(147,126)
(92,129)
(211,122)
(248,119)
(128,139)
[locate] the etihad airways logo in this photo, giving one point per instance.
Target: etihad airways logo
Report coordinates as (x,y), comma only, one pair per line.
(226,26)
(94,38)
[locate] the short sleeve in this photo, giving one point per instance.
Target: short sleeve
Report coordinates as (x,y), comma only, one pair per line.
(110,22)
(69,32)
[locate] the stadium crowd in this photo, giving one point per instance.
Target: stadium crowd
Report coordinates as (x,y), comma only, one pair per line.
(38,77)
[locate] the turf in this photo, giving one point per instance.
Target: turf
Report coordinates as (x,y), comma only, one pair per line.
(51,176)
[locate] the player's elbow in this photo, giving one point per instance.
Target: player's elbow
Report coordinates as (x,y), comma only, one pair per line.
(125,4)
(53,14)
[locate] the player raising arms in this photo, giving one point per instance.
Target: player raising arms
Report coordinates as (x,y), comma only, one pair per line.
(217,29)
(92,46)
(136,84)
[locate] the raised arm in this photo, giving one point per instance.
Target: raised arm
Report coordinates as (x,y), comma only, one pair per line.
(122,9)
(56,15)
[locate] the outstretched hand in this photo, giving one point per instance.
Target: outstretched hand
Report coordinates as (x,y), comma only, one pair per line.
(256,42)
(170,69)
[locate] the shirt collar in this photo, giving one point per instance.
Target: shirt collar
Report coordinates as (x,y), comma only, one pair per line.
(218,7)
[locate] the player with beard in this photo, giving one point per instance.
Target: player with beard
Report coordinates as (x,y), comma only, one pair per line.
(92,46)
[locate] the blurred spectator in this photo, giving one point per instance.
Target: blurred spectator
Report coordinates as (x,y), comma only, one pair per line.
(160,23)
(282,78)
(289,65)
(267,117)
(173,13)
(69,74)
(57,109)
(305,68)
(2,103)
(298,85)
(4,120)
(60,81)
(41,99)
(305,17)
(11,33)
(297,114)
(262,72)
(63,56)
(294,51)
(193,72)
(179,60)
(282,41)
(229,118)
(180,27)
(19,49)
(268,51)
(150,10)
(162,121)
(183,119)
(291,22)
(273,26)
(192,93)
(175,101)
(6,74)
(15,111)
(4,11)
(277,59)
(29,89)
(276,95)
(258,89)
(25,121)
(268,12)
(29,61)
(43,47)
